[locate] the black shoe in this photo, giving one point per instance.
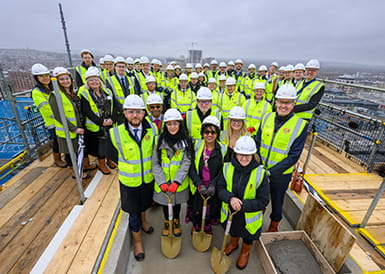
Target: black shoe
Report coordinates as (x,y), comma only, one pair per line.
(85,176)
(139,257)
(148,231)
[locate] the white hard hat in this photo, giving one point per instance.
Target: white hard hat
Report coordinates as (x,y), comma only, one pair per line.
(313,63)
(129,61)
(154,99)
(275,64)
(212,81)
(282,68)
(204,94)
(245,145)
(230,81)
(101,60)
(86,51)
(133,101)
(172,63)
(262,67)
(214,62)
(120,59)
(170,67)
(144,60)
(172,114)
(299,66)
(237,113)
(194,75)
(222,65)
(259,85)
(251,66)
(289,68)
(183,77)
(150,79)
(201,74)
(108,58)
(39,69)
(136,61)
(153,61)
(238,61)
(92,71)
(206,65)
(211,120)
(231,63)
(286,91)
(60,71)
(177,67)
(199,65)
(157,62)
(222,77)
(189,65)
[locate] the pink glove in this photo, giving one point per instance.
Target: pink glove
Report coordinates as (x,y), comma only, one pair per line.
(164,187)
(173,187)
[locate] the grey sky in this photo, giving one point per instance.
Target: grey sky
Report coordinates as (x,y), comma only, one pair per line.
(345,31)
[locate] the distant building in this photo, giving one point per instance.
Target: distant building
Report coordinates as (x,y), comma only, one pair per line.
(349,79)
(195,56)
(21,80)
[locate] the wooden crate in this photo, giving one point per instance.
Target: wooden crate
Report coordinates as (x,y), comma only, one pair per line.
(267,238)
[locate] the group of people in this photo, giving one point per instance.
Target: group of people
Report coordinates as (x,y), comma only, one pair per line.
(227,134)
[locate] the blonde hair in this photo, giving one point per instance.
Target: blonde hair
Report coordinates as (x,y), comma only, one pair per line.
(229,131)
(102,86)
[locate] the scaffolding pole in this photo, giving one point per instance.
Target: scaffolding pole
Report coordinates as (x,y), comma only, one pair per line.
(63,23)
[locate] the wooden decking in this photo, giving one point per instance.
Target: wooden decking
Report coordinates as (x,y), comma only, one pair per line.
(33,206)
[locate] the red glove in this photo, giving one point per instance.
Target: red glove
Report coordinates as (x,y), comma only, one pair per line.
(173,187)
(164,187)
(251,129)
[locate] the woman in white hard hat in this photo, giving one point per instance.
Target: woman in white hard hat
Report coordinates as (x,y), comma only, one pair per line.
(171,162)
(207,166)
(40,94)
(71,107)
(243,187)
(236,127)
(100,109)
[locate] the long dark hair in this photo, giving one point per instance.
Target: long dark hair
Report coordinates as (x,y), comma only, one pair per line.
(182,136)
(72,95)
(210,126)
(41,86)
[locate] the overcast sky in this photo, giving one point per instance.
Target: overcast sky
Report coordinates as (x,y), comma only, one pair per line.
(345,31)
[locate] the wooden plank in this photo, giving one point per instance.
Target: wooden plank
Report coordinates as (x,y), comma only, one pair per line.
(85,260)
(377,218)
(352,194)
(339,159)
(327,182)
(358,204)
(377,232)
(42,207)
(329,160)
(329,235)
(63,258)
(16,187)
(363,259)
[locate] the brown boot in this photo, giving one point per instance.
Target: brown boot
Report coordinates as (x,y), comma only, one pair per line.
(58,160)
(165,230)
(232,245)
(177,230)
(102,166)
(111,164)
(138,246)
(273,227)
(87,165)
(244,256)
(146,227)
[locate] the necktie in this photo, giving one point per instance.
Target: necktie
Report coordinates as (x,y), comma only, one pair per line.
(123,81)
(136,135)
(157,122)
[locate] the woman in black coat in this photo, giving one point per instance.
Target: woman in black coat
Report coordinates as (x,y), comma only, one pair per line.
(243,187)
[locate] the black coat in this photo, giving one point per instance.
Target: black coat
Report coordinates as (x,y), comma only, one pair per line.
(239,182)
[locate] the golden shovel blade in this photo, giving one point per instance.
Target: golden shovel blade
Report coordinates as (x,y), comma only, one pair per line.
(201,240)
(170,246)
(220,263)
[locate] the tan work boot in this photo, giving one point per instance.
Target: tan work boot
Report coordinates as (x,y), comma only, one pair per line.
(165,230)
(273,227)
(87,165)
(232,245)
(111,164)
(244,256)
(138,246)
(177,231)
(102,166)
(58,160)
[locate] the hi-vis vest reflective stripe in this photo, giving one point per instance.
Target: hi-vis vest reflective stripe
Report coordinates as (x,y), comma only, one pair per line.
(225,104)
(159,77)
(142,79)
(248,84)
(91,126)
(170,83)
(153,126)
(118,89)
(171,167)
(253,220)
(276,146)
(41,101)
(194,124)
(199,146)
(183,101)
(135,162)
(304,97)
(69,112)
(255,111)
(82,72)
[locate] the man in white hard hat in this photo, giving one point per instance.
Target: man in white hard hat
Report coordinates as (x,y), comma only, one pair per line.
(155,108)
(229,99)
(194,118)
(230,69)
(80,71)
(310,92)
(256,107)
(222,70)
(287,76)
(272,82)
(213,71)
(144,73)
(132,147)
(238,73)
(119,83)
(188,70)
(280,141)
(213,87)
(249,80)
(151,88)
(183,98)
(159,76)
(193,84)
(109,62)
(101,63)
(206,68)
(298,75)
(222,83)
(170,80)
(131,73)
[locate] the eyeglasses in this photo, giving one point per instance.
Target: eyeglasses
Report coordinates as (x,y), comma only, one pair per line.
(284,102)
(138,111)
(236,121)
(212,132)
(170,124)
(155,107)
(204,101)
